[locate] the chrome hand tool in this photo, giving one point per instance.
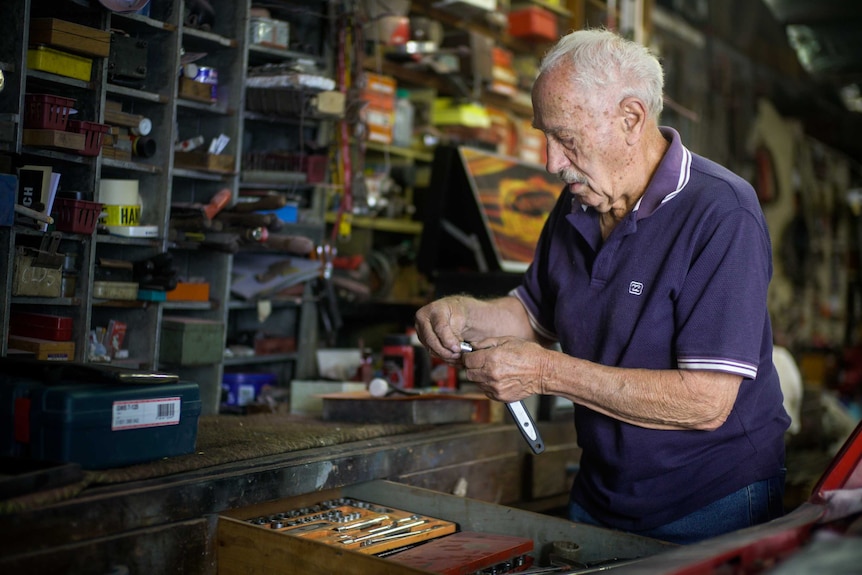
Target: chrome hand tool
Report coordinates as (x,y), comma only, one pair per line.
(522,417)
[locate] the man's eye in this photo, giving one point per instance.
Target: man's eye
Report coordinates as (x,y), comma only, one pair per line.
(566,142)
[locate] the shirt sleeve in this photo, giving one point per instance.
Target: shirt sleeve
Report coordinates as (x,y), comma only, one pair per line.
(721,309)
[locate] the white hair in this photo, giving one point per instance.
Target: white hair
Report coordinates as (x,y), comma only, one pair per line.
(602,60)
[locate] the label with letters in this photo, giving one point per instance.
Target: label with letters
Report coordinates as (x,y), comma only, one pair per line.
(145,413)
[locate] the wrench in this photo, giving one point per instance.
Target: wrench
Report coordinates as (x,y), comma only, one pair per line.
(522,417)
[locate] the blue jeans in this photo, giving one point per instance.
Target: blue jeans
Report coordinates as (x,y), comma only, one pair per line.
(751,505)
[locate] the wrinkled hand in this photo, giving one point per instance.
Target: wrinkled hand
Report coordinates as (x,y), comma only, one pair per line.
(441,327)
(507,369)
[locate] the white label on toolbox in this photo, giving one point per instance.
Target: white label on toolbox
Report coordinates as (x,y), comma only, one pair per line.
(145,413)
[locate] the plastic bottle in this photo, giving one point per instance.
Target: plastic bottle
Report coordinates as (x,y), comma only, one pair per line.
(402,133)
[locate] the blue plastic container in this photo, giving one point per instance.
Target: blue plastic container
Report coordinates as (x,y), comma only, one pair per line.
(243,388)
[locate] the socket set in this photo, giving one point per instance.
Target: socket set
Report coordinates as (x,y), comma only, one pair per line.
(357,525)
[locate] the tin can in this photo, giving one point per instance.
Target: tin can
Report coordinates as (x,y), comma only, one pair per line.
(208,75)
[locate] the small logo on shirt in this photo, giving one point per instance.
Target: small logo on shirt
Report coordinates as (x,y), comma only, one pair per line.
(636,288)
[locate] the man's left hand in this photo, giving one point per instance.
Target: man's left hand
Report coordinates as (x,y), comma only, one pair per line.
(507,369)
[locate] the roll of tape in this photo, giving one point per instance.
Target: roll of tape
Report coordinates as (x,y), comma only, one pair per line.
(119,192)
(117,215)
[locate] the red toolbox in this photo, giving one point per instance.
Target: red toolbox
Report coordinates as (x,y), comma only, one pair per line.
(41,325)
(533,23)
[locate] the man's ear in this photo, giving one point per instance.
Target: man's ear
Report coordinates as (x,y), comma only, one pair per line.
(634,116)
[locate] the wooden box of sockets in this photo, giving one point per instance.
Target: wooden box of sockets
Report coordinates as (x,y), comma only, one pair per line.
(383,528)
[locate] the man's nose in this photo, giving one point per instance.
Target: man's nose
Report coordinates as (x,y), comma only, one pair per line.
(556,159)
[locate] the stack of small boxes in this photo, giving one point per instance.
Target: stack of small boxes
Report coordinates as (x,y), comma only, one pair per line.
(66,49)
(46,337)
(379,115)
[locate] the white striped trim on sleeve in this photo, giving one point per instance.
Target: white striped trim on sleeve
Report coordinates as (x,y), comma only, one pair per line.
(534,323)
(746,370)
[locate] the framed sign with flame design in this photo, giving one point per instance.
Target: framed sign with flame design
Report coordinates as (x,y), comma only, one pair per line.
(482,216)
(515,199)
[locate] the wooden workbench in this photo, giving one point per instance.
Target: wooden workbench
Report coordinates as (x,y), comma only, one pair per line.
(167,524)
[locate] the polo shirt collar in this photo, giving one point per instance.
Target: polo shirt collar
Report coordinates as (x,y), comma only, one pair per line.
(670,177)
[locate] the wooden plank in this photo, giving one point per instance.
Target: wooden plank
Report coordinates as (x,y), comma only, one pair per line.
(244,549)
(183,548)
(106,510)
(496,479)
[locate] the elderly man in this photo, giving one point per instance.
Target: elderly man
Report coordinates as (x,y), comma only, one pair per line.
(651,274)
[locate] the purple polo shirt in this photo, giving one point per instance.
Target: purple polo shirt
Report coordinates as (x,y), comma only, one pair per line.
(680,283)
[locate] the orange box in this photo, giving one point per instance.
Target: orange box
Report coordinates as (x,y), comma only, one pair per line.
(533,23)
(380,123)
(502,57)
(187,291)
(379,91)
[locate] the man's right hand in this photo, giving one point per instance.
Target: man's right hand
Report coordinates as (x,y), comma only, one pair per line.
(442,325)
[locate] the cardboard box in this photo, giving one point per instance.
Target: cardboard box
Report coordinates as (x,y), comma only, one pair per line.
(32,279)
(70,36)
(306,395)
(115,290)
(44,349)
(225,163)
(380,124)
(379,91)
(191,341)
(187,291)
(54,139)
(198,91)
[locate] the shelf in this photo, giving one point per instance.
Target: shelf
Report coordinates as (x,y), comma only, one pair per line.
(57,155)
(260,359)
(215,108)
(204,38)
(267,54)
(269,118)
(55,79)
(273,177)
(400,226)
(275,302)
(131,166)
(135,93)
(43,301)
(123,241)
(200,175)
(186,305)
(420,155)
(457,22)
(429,79)
(556,9)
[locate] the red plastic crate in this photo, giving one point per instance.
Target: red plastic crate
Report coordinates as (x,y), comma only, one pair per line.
(47,112)
(76,216)
(93,133)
